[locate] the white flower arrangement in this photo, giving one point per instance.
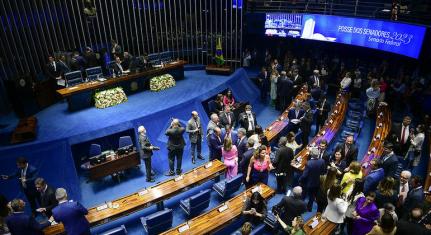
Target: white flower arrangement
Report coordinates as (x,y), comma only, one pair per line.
(162,82)
(110,97)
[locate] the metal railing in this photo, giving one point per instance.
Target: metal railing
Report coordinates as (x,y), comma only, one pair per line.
(417,13)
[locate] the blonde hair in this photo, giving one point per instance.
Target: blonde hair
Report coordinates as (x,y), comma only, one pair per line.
(355,167)
(227,145)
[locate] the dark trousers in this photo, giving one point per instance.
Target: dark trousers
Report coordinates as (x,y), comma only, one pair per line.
(196,147)
(311,193)
(281,183)
(285,102)
(147,162)
(178,154)
(304,138)
(31,197)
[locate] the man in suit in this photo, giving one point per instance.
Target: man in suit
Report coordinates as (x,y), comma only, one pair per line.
(215,144)
(26,174)
(116,48)
(402,131)
(297,81)
(247,120)
(403,189)
(290,207)
(90,57)
(118,67)
(21,224)
(46,197)
(228,133)
(176,145)
(71,214)
(415,196)
(283,169)
(78,62)
(349,151)
(310,178)
(323,153)
(284,90)
(388,160)
(212,124)
(52,68)
(227,117)
(241,143)
(245,161)
(323,108)
(195,130)
(306,122)
(127,62)
(263,81)
(314,81)
(294,116)
(374,177)
(410,224)
(147,152)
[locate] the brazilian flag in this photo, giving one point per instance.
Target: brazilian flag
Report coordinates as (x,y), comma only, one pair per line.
(219,53)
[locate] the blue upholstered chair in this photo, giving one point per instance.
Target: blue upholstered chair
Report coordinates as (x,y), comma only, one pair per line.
(226,187)
(95,149)
(124,141)
(158,222)
(195,204)
(116,231)
(211,106)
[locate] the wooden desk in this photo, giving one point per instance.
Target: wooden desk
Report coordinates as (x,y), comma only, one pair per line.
(428,178)
(119,163)
(135,202)
(323,228)
(282,121)
(327,132)
(213,220)
(383,127)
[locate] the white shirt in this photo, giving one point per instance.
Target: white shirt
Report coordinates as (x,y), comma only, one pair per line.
(404,194)
(250,121)
(406,130)
(23,174)
(345,82)
(417,142)
(336,210)
(121,67)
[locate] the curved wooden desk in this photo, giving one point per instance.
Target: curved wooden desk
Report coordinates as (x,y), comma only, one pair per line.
(282,121)
(145,198)
(327,132)
(213,220)
(321,228)
(383,127)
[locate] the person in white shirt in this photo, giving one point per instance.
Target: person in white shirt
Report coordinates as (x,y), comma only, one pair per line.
(415,149)
(336,209)
(345,83)
(404,187)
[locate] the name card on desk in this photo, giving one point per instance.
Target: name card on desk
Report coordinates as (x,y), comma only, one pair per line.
(208,165)
(256,189)
(183,228)
(223,208)
(331,121)
(179,178)
(314,223)
(143,192)
(102,207)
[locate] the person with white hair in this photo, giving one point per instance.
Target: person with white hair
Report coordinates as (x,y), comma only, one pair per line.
(194,128)
(71,214)
(290,206)
(212,124)
(147,152)
(314,80)
(175,146)
(404,186)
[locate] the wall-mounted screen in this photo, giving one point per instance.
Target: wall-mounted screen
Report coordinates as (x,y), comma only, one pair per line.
(393,37)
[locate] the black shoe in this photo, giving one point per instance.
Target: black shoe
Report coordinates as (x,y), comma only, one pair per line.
(193,161)
(169,173)
(151,180)
(179,172)
(201,158)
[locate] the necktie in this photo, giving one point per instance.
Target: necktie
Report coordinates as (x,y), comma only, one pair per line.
(316,81)
(250,122)
(402,135)
(23,177)
(346,150)
(228,118)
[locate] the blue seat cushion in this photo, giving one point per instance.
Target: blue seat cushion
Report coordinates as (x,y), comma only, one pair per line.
(220,187)
(116,231)
(185,204)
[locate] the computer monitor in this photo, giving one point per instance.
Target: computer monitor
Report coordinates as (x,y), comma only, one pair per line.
(94,73)
(73,78)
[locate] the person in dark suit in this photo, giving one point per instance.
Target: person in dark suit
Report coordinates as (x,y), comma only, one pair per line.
(389,161)
(323,108)
(290,206)
(241,143)
(20,223)
(247,120)
(415,196)
(402,131)
(284,91)
(315,81)
(263,83)
(195,130)
(294,116)
(283,169)
(411,224)
(90,57)
(349,151)
(227,117)
(116,48)
(310,178)
(118,67)
(26,174)
(215,144)
(71,214)
(374,177)
(175,146)
(147,152)
(78,62)
(323,152)
(245,161)
(127,61)
(297,81)
(306,122)
(228,133)
(53,70)
(46,197)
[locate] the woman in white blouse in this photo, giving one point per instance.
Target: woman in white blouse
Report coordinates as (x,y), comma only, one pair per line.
(291,142)
(415,150)
(336,209)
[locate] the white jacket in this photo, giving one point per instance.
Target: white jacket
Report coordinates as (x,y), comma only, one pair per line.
(336,210)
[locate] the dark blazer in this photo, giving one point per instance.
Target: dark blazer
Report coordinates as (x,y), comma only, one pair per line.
(144,141)
(311,81)
(215,146)
(243,120)
(389,165)
(352,153)
(31,175)
(91,59)
(233,135)
(291,207)
(306,122)
(23,224)
(245,161)
(297,81)
(72,215)
(284,87)
(291,114)
(283,158)
(414,198)
(372,179)
(311,176)
(224,119)
(47,200)
(175,140)
(263,81)
(241,145)
(316,92)
(407,227)
(322,111)
(399,148)
(53,71)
